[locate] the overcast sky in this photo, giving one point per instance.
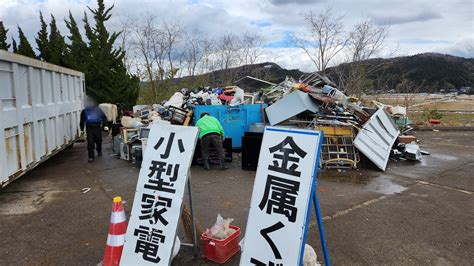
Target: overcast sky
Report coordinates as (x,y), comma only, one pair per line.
(416,26)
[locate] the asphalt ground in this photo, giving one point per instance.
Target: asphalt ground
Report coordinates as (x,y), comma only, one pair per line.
(414,213)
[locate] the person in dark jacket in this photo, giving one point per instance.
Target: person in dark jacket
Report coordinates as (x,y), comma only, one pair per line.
(94,120)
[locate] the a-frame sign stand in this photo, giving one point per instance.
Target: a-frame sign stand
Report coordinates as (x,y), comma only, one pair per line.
(315,201)
(191,208)
(321,228)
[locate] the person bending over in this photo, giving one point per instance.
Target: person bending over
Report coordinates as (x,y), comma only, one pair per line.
(211,132)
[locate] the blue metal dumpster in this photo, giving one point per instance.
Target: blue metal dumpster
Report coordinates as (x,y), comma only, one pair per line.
(235,120)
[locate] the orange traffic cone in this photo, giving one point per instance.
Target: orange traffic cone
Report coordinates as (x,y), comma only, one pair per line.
(116,237)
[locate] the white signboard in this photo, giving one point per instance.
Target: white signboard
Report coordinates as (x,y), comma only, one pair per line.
(281,196)
(159,195)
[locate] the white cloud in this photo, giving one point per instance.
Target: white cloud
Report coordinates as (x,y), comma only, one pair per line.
(416,26)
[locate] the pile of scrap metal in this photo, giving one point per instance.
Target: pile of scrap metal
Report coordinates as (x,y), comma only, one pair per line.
(186,99)
(348,126)
(131,134)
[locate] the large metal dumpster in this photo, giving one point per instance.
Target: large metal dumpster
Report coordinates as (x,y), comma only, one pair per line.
(235,120)
(40,106)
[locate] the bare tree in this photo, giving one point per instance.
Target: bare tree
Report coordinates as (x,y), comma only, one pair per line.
(324,38)
(227,47)
(125,29)
(172,33)
(207,63)
(194,50)
(251,45)
(150,50)
(365,41)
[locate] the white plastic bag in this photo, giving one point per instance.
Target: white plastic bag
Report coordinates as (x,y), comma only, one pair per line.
(310,258)
(221,229)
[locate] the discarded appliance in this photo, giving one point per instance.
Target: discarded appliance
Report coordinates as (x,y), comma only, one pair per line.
(376,138)
(412,152)
(406,139)
(338,150)
(399,111)
(289,106)
(110,111)
(235,120)
(251,143)
(139,107)
(124,151)
(176,100)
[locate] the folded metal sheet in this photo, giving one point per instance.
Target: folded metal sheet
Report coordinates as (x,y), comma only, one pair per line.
(376,138)
(289,106)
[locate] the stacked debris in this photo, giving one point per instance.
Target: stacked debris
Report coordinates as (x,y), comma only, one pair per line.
(130,139)
(381,132)
(314,102)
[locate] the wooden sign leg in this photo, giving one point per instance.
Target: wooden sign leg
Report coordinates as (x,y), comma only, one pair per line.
(192,216)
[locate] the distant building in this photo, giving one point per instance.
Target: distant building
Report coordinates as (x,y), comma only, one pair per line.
(465,90)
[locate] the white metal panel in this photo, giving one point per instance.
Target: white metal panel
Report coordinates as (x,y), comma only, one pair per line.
(40,104)
(289,106)
(376,138)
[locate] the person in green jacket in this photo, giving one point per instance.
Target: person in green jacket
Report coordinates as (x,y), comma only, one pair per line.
(211,131)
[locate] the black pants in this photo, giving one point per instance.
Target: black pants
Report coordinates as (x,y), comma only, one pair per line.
(216,141)
(94,138)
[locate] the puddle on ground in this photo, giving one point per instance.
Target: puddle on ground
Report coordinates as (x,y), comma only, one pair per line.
(384,185)
(24,202)
(346,176)
(444,157)
(437,156)
(369,181)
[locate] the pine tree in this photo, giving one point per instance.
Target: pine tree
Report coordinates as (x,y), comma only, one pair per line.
(24,47)
(15,48)
(3,37)
(42,41)
(56,44)
(76,55)
(107,78)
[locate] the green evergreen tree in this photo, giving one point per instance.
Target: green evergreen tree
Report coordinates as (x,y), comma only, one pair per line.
(76,56)
(56,44)
(107,78)
(42,41)
(3,37)
(15,48)
(24,47)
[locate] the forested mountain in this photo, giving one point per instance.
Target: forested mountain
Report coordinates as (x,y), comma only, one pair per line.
(428,72)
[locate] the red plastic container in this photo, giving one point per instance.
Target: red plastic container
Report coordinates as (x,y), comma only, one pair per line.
(221,250)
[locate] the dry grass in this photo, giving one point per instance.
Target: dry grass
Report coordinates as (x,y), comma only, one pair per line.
(421,102)
(418,103)
(448,119)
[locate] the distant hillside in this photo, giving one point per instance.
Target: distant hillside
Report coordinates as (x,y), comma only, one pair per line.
(428,72)
(267,71)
